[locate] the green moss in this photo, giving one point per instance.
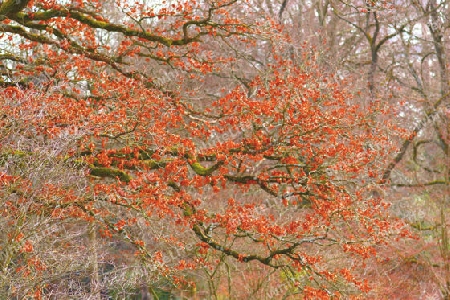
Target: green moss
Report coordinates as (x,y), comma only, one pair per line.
(4,156)
(174,186)
(18,153)
(154,164)
(39,15)
(199,169)
(188,210)
(110,172)
(202,171)
(79,163)
(12,6)
(145,154)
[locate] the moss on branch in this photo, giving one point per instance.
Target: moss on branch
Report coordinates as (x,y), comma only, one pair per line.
(203,171)
(110,172)
(94,23)
(4,156)
(154,164)
(11,7)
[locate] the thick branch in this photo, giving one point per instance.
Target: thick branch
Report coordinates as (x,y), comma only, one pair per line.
(110,172)
(11,7)
(102,24)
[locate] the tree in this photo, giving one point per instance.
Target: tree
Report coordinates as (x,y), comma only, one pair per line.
(246,161)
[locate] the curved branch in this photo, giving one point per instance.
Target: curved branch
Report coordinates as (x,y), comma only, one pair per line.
(401,153)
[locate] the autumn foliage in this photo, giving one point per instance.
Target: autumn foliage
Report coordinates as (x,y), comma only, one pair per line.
(233,169)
